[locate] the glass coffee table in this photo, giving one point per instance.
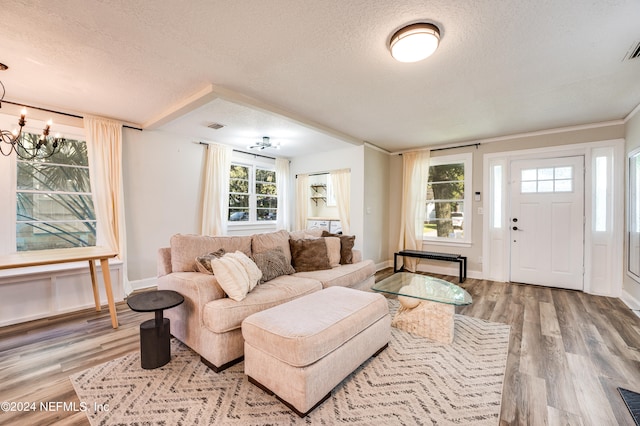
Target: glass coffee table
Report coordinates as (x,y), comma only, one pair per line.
(427,304)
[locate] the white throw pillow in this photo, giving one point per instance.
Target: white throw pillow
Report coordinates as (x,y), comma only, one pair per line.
(254,273)
(236,273)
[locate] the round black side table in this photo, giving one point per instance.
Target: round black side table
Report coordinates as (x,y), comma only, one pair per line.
(155,334)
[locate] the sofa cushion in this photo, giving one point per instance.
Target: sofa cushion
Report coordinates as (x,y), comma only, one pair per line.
(346,246)
(344,275)
(224,315)
(271,240)
(309,255)
(272,263)
(236,274)
(185,248)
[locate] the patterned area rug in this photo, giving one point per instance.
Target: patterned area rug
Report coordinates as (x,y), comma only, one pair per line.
(632,401)
(413,381)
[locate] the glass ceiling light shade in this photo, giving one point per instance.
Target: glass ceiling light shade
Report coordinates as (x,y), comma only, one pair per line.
(265,143)
(414,42)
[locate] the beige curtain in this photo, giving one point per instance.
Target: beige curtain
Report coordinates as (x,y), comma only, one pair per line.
(104,149)
(283,220)
(215,198)
(415,175)
(302,201)
(341,180)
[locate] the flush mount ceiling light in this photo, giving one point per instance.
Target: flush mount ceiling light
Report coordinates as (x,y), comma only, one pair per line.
(414,42)
(265,143)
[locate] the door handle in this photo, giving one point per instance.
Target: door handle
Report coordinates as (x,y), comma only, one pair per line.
(515,228)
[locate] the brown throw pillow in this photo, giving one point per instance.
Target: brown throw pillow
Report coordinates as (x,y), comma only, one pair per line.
(272,263)
(203,263)
(346,246)
(309,255)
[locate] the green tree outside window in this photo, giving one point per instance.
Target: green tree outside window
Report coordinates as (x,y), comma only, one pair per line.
(54,207)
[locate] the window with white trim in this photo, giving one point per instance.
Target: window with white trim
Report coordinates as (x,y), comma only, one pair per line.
(253,193)
(54,206)
(448,209)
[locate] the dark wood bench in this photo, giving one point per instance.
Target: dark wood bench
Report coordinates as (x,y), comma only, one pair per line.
(448,257)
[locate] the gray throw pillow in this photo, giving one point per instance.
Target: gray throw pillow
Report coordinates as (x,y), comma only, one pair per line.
(272,263)
(203,263)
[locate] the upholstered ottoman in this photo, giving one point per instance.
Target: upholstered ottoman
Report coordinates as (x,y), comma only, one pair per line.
(302,349)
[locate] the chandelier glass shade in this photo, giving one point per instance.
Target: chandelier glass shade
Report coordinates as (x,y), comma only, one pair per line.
(265,143)
(414,42)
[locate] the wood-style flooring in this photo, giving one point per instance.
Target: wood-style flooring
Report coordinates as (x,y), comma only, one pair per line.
(567,354)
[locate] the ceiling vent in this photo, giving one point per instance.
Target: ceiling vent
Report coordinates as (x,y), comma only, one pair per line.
(634,52)
(215,126)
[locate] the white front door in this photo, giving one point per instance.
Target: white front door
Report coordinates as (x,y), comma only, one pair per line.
(547,222)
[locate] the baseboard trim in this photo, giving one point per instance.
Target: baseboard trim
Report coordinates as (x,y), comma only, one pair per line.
(384,265)
(630,301)
(143,283)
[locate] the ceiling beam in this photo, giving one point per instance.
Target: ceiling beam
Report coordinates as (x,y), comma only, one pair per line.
(202,97)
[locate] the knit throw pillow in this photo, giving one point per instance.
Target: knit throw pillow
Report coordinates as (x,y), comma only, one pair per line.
(273,264)
(236,273)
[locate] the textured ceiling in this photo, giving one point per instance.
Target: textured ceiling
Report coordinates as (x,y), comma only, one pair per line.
(502,67)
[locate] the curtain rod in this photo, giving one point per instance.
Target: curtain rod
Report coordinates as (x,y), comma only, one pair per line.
(320,173)
(244,152)
(458,146)
(315,174)
(60,113)
(254,154)
(477,144)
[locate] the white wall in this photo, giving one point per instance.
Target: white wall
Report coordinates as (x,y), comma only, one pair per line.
(632,139)
(39,292)
(163,176)
(376,206)
(540,139)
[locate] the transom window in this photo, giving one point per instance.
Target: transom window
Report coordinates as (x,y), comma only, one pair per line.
(547,179)
(253,194)
(54,206)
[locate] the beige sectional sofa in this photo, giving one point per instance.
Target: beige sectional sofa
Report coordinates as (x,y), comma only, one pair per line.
(208,321)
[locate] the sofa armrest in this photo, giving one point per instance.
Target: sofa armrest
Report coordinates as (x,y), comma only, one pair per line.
(357,256)
(198,289)
(164,261)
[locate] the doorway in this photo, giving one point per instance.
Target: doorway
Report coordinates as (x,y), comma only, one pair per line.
(546,222)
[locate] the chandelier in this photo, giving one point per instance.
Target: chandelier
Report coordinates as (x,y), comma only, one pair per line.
(26,148)
(265,143)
